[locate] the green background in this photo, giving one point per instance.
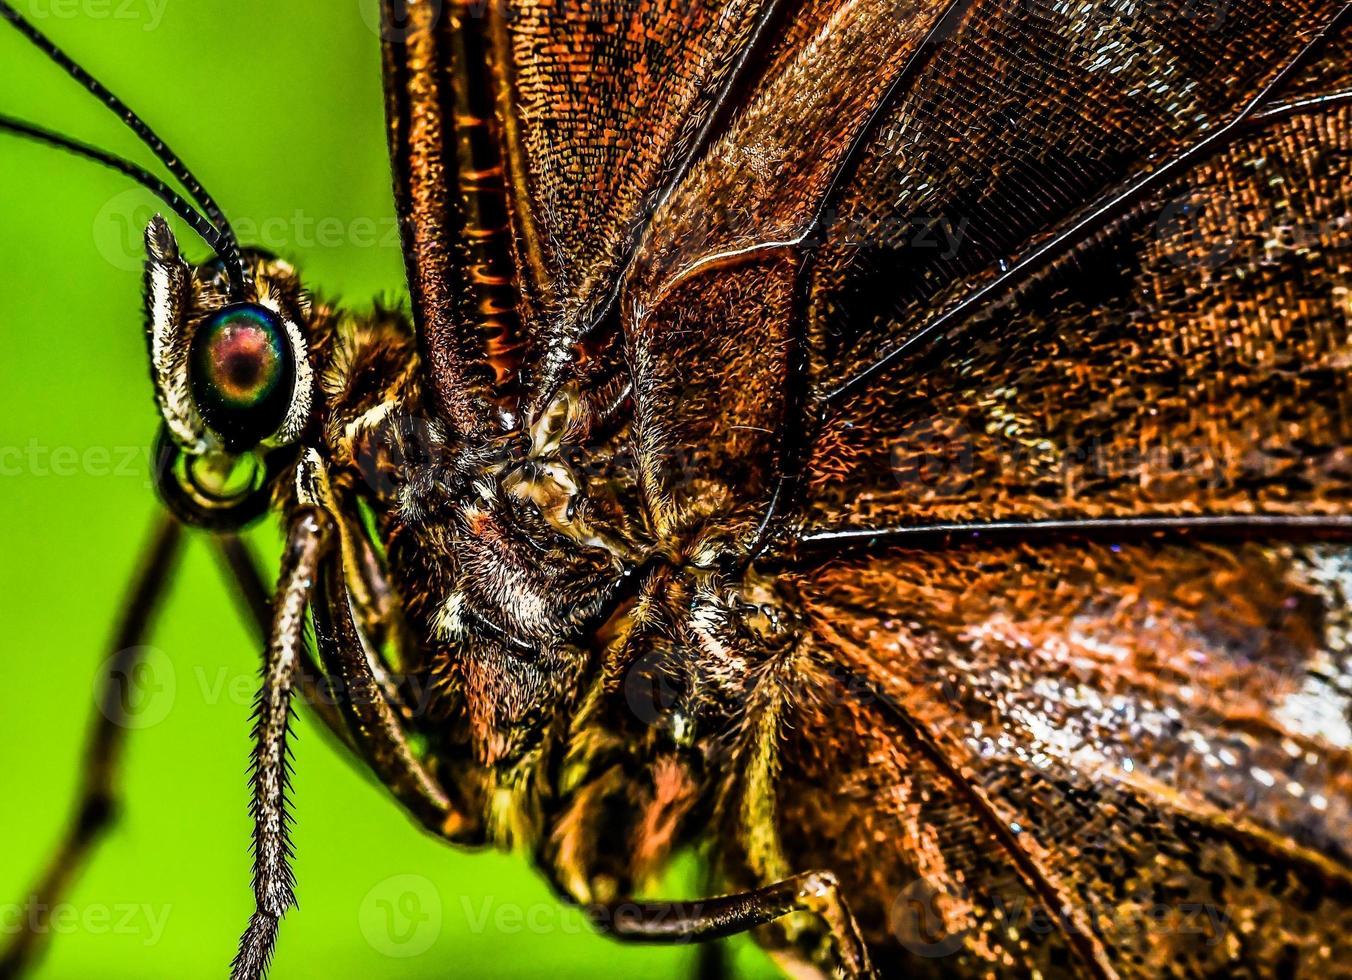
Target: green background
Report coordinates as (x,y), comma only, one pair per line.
(277,108)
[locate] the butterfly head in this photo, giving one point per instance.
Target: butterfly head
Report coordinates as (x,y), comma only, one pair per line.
(233,376)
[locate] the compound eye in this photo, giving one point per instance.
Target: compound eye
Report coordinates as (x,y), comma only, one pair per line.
(243,374)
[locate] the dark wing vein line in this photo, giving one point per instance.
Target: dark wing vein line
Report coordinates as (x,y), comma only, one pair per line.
(945,27)
(716,119)
(1243,833)
(939,535)
(1087,946)
(1100,216)
(794,432)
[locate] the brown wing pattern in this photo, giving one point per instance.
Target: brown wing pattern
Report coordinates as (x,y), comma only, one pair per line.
(733,231)
(531,139)
(1029,115)
(451,197)
(1125,758)
(1195,364)
(608,101)
(893,167)
(1142,751)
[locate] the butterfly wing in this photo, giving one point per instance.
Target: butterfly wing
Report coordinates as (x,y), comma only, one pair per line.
(1080,744)
(1076,757)
(530,141)
(1043,253)
(1188,359)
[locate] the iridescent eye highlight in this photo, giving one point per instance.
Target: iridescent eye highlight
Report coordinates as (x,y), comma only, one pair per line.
(243,373)
(242,357)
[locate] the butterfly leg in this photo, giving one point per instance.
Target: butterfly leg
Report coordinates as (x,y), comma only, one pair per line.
(371,714)
(365,698)
(96,804)
(308,535)
(256,602)
(817,892)
(712,963)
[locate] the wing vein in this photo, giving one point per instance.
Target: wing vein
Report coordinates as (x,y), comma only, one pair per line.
(1088,947)
(1100,216)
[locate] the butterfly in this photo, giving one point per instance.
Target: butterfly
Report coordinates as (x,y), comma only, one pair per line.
(898,448)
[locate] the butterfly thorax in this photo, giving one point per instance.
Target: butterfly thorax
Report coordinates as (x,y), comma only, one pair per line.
(511,561)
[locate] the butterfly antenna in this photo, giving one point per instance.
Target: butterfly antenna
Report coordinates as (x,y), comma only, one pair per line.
(228,248)
(193,218)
